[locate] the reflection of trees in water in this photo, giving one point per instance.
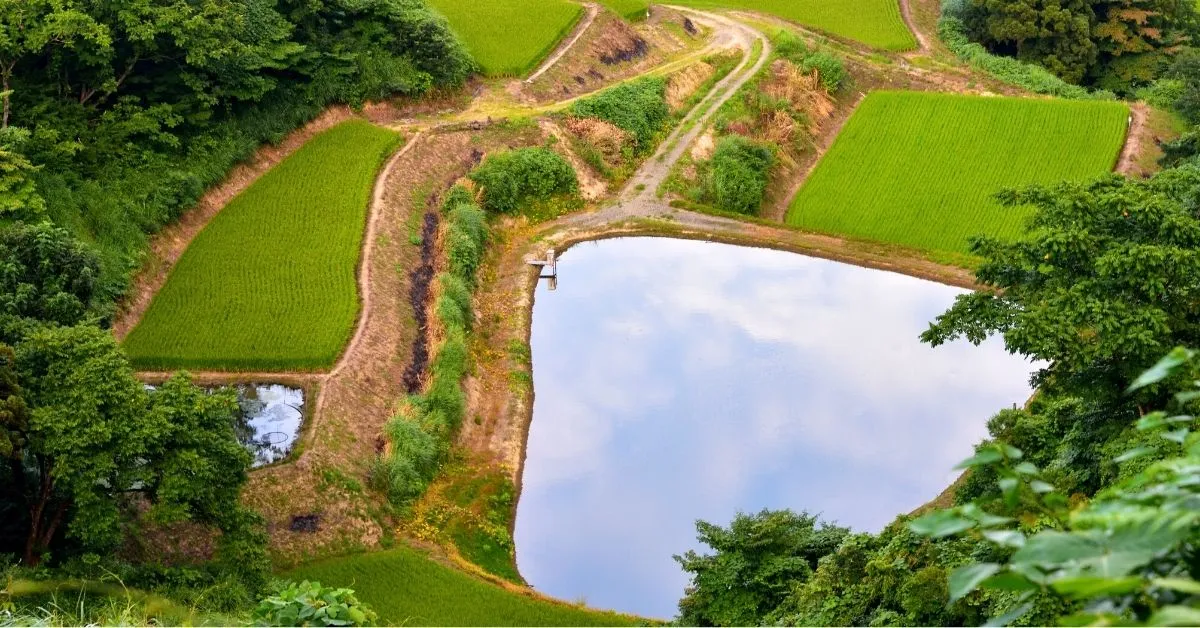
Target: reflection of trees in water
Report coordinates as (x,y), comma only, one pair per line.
(268,420)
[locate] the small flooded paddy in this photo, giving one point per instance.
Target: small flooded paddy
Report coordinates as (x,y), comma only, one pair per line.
(270,419)
(679,380)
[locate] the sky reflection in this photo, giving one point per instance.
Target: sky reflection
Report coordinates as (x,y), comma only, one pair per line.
(679,380)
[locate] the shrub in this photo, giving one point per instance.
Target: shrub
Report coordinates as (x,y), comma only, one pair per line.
(737,176)
(638,107)
(511,178)
(310,604)
(830,68)
(412,461)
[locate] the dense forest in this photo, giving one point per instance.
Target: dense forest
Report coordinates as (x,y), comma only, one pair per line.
(1114,45)
(117,115)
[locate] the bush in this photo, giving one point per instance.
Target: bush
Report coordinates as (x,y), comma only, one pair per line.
(830,68)
(511,178)
(638,107)
(310,604)
(411,463)
(737,176)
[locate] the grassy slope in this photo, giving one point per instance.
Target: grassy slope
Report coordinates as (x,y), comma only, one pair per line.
(920,169)
(876,23)
(270,283)
(510,37)
(406,587)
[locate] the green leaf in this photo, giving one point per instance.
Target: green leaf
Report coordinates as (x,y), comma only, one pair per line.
(1007,538)
(1010,616)
(1175,616)
(1009,581)
(965,579)
(1177,436)
(1136,452)
(1039,486)
(1094,586)
(1163,369)
(1026,468)
(940,523)
(981,458)
(1182,585)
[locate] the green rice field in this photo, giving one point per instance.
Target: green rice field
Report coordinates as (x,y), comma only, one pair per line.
(920,169)
(407,588)
(876,23)
(510,37)
(270,283)
(630,9)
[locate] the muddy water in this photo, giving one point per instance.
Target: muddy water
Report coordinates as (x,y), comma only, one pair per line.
(678,380)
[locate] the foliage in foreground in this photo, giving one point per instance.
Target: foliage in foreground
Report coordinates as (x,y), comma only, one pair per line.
(407,587)
(271,282)
(1127,557)
(932,189)
(513,178)
(310,604)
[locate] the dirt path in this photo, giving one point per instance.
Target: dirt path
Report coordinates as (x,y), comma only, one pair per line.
(1133,139)
(906,13)
(643,185)
(592,11)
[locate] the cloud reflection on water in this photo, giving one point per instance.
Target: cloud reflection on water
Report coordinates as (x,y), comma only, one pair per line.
(677,380)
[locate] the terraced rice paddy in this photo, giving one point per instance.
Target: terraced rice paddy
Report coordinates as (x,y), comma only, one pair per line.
(920,169)
(877,23)
(510,37)
(407,588)
(270,283)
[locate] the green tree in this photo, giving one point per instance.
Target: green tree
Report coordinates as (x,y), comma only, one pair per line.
(45,276)
(1102,283)
(757,561)
(1053,33)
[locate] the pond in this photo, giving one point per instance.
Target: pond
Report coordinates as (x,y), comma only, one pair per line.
(678,380)
(271,418)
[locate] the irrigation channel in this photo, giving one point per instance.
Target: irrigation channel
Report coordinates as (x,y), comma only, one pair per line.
(678,380)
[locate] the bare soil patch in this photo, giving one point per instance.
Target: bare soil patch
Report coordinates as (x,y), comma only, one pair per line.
(609,51)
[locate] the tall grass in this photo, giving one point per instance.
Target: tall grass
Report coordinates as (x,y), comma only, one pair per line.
(920,169)
(270,283)
(408,588)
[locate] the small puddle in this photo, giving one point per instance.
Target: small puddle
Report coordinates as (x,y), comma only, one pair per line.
(678,380)
(271,416)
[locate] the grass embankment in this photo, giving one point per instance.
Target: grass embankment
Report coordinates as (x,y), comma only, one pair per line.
(510,37)
(920,169)
(877,23)
(408,588)
(270,283)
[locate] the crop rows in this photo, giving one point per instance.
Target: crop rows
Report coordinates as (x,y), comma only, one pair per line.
(270,283)
(920,169)
(510,37)
(877,23)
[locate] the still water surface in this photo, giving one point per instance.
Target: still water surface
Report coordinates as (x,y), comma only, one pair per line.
(678,380)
